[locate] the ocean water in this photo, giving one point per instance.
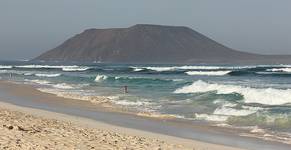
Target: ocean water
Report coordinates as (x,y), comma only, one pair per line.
(257,97)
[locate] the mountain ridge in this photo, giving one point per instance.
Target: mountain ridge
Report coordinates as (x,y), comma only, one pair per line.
(146,43)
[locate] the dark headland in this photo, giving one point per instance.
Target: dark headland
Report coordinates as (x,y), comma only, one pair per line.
(145,43)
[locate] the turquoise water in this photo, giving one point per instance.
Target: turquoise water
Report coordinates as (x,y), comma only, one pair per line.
(245,96)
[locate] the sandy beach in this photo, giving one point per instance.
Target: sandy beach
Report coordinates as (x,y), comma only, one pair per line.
(27,128)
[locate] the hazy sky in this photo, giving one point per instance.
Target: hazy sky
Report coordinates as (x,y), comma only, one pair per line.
(30,27)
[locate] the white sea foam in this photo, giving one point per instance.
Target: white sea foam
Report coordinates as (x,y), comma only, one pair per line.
(160,69)
(184,68)
(75,68)
(208,73)
(224,103)
(63,86)
(256,129)
(116,78)
(3,71)
(223,113)
(280,70)
(177,80)
(28,74)
(100,78)
(13,72)
(42,82)
(267,96)
(267,73)
(144,78)
(206,67)
(5,67)
(228,111)
(130,103)
(136,69)
(219,118)
(40,66)
(125,77)
(171,68)
(253,108)
(74,95)
(47,75)
(64,68)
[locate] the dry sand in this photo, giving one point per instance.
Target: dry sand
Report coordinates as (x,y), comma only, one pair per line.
(28,128)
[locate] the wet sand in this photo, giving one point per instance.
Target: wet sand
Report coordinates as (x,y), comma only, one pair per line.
(28,128)
(84,115)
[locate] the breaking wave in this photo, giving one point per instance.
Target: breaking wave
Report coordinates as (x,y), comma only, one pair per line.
(3,71)
(100,78)
(208,73)
(63,86)
(280,70)
(41,82)
(160,69)
(5,67)
(228,111)
(75,68)
(131,103)
(77,96)
(128,79)
(266,96)
(41,67)
(137,69)
(47,75)
(172,68)
(218,118)
(63,68)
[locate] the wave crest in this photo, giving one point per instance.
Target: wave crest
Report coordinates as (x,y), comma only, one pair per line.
(208,117)
(208,73)
(172,68)
(75,68)
(64,68)
(41,82)
(63,86)
(266,96)
(47,75)
(280,70)
(5,67)
(228,111)
(100,78)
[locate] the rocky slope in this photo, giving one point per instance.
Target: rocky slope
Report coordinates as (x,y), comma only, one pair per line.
(148,44)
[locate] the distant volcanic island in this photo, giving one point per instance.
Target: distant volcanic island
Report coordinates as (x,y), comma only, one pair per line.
(144,43)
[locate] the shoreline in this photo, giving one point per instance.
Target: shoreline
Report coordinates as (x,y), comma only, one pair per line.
(84,123)
(28,97)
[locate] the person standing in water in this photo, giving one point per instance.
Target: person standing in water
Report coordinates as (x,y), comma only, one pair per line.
(125,89)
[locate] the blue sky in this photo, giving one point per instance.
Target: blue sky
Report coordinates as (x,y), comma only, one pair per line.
(30,27)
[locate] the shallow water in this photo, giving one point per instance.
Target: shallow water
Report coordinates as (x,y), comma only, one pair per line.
(257,96)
